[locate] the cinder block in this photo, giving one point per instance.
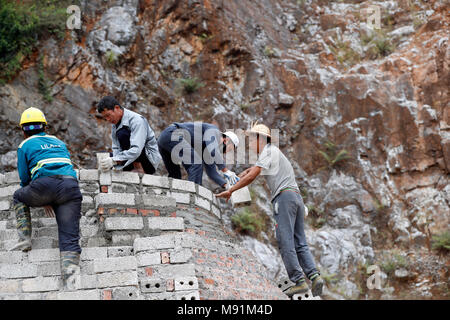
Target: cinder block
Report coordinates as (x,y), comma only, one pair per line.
(120,251)
(124,223)
(126,293)
(12,177)
(47,222)
(115,264)
(87,200)
(186,283)
(5,205)
(285,284)
(187,295)
(159,201)
(94,253)
(89,175)
(148,259)
(241,197)
(166,223)
(117,279)
(114,199)
(123,238)
(79,295)
(9,191)
(40,284)
(49,269)
(44,255)
(177,270)
(183,185)
(153,285)
(180,197)
(202,203)
(2,178)
(13,271)
(180,256)
(154,243)
(12,257)
(9,286)
(305,296)
(205,193)
(88,281)
(125,177)
(8,234)
(215,211)
(156,181)
(105,178)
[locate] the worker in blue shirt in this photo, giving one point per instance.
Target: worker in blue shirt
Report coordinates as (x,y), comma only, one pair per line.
(198,146)
(48,180)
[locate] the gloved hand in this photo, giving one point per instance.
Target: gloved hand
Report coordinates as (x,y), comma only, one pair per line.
(106,164)
(231,177)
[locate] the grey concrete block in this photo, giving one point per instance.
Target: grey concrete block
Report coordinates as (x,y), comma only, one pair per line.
(124,223)
(241,197)
(5,205)
(177,270)
(46,269)
(114,199)
(121,251)
(202,203)
(12,257)
(79,295)
(159,201)
(44,255)
(8,234)
(123,238)
(47,222)
(3,225)
(205,193)
(180,256)
(153,285)
(216,211)
(166,223)
(125,293)
(88,281)
(9,190)
(148,259)
(13,271)
(9,286)
(125,177)
(186,283)
(305,296)
(105,178)
(2,178)
(115,264)
(156,181)
(40,284)
(117,279)
(94,253)
(89,175)
(183,185)
(187,295)
(154,243)
(180,197)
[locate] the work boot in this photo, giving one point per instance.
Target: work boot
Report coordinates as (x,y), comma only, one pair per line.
(299,288)
(23,217)
(317,284)
(70,271)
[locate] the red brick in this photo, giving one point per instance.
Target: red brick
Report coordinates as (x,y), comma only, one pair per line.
(149,271)
(122,211)
(199,261)
(173,214)
(101,211)
(201,232)
(209,281)
(104,189)
(112,211)
(132,211)
(165,258)
(170,285)
(107,294)
(190,230)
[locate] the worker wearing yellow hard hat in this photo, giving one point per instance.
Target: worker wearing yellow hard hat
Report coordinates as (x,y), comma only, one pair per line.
(289,210)
(48,180)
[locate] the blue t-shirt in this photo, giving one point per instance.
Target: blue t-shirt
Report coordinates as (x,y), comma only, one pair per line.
(43,155)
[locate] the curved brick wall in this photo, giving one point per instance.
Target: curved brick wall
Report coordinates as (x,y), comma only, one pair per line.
(143,237)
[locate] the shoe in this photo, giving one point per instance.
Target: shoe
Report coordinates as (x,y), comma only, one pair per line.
(70,271)
(317,285)
(299,288)
(23,217)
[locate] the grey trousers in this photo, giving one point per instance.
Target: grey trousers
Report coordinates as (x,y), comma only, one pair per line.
(289,214)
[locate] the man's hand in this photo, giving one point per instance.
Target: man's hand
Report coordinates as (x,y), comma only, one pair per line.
(49,211)
(106,164)
(226,195)
(231,177)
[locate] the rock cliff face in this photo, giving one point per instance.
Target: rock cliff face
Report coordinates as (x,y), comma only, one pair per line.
(311,68)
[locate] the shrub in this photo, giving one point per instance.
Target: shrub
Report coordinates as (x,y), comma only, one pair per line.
(441,242)
(21,25)
(247,222)
(190,85)
(43,85)
(393,262)
(332,156)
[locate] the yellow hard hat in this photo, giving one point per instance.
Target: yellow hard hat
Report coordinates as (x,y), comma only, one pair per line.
(261,129)
(32,115)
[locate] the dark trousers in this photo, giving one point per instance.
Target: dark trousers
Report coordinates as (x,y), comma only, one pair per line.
(65,197)
(166,145)
(123,135)
(289,213)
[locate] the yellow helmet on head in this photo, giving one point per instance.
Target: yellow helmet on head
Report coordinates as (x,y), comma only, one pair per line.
(32,115)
